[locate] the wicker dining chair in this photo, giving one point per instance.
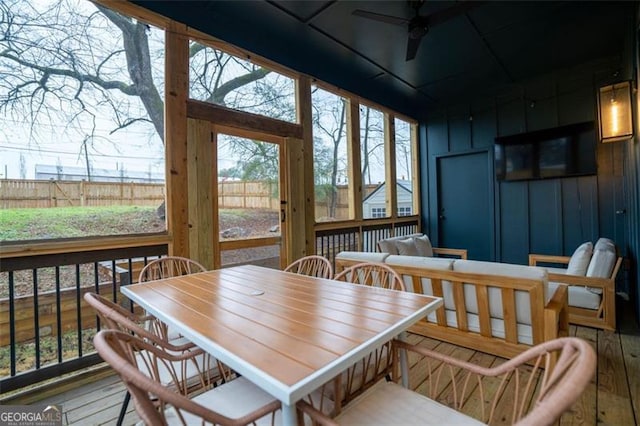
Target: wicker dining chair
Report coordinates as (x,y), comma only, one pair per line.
(377,364)
(237,402)
(169,266)
(192,369)
(534,388)
(373,274)
(312,265)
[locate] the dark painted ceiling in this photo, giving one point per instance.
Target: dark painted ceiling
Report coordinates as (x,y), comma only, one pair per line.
(492,45)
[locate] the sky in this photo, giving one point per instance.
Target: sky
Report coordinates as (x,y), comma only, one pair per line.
(131,150)
(56,142)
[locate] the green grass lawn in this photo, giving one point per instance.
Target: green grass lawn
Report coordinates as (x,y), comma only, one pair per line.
(69,222)
(66,222)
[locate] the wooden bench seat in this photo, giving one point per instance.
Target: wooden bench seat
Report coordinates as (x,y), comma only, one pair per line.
(496,308)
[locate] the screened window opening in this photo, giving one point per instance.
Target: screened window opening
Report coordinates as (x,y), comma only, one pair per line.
(226,80)
(372,158)
(405,176)
(84,115)
(330,160)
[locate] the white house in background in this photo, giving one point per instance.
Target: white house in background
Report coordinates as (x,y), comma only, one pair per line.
(374,206)
(48,171)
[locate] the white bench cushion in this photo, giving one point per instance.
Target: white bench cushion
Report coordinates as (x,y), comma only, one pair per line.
(362,256)
(522,300)
(524,331)
(580,297)
(388,403)
(420,262)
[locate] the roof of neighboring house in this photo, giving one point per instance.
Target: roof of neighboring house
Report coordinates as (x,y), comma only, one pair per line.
(97,174)
(404,184)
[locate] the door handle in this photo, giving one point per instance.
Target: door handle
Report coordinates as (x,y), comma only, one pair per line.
(283,215)
(442,217)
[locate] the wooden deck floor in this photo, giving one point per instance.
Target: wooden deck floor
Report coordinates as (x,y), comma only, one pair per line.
(613,397)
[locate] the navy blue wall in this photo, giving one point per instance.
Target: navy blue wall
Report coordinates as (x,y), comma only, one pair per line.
(551,216)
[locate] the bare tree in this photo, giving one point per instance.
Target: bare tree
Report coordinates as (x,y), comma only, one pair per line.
(371,142)
(329,120)
(69,60)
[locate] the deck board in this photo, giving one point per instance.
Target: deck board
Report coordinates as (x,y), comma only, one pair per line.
(631,356)
(613,397)
(583,411)
(614,402)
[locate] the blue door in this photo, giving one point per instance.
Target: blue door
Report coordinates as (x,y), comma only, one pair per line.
(465,204)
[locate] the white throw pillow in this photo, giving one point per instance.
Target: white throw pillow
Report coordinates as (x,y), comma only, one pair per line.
(604,244)
(387,246)
(407,247)
(423,245)
(580,258)
(602,262)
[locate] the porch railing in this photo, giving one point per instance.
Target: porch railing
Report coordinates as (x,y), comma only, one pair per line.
(332,238)
(46,329)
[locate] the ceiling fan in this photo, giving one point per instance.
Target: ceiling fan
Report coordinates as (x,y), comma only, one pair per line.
(419,25)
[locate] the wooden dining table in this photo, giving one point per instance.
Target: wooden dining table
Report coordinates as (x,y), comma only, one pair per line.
(289,334)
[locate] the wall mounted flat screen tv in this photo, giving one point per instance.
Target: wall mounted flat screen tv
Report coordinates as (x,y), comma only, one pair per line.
(550,153)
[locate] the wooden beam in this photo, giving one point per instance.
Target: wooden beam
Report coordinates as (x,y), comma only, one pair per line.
(247,134)
(242,120)
(138,12)
(176,92)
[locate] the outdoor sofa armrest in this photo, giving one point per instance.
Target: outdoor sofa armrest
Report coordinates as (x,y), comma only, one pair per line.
(556,315)
(460,253)
(534,259)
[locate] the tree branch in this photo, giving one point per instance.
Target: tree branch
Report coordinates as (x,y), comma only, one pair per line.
(217,97)
(49,71)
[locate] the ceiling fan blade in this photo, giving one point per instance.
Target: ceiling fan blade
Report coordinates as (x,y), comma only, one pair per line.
(379,17)
(412,47)
(444,15)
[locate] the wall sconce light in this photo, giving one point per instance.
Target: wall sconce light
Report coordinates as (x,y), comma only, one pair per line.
(614,110)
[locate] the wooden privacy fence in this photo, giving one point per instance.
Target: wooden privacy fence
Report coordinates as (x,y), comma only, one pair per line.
(17,193)
(248,195)
(23,193)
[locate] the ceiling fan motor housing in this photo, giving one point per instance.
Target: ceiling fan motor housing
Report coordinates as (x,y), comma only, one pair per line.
(417,29)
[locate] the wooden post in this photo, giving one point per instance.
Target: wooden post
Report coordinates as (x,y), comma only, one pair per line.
(305,115)
(415,173)
(391,193)
(294,200)
(176,93)
(355,162)
(201,173)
